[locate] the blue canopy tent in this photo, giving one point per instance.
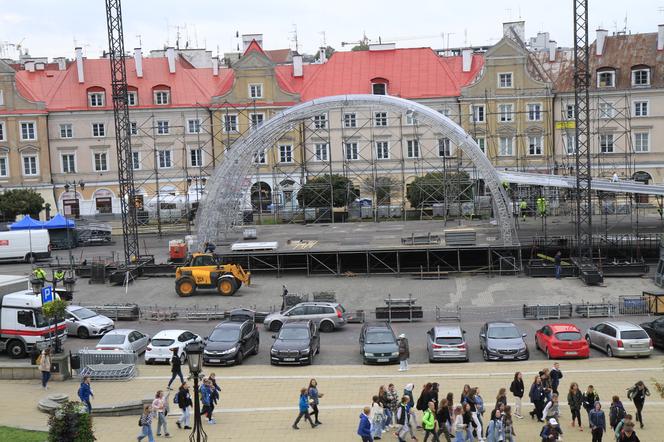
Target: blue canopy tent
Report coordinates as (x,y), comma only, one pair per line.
(27,223)
(59,222)
(61,230)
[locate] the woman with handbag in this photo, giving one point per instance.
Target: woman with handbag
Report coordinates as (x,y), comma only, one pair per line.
(44,362)
(145,422)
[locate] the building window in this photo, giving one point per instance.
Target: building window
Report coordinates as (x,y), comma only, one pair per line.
(161,98)
(535,144)
(96,99)
(606,143)
(505,80)
(230,123)
(606,79)
(320,121)
(477,113)
(641,142)
(285,153)
(28,131)
(255,91)
(534,112)
(570,143)
(4,169)
(506,147)
(98,130)
(30,165)
(2,131)
(2,98)
(136,160)
(380,119)
(444,148)
(68,163)
(640,108)
(259,158)
(351,151)
(321,152)
(505,113)
(413,148)
(66,131)
(132,98)
(641,77)
(350,120)
(569,112)
(382,150)
(445,112)
(163,127)
(481,143)
(134,128)
(256,120)
(194,126)
(606,110)
(379,88)
(101,161)
(411,119)
(195,157)
(164,158)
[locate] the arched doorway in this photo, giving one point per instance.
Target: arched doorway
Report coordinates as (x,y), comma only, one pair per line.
(261,197)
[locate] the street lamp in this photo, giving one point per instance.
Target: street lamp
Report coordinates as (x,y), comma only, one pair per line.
(194,353)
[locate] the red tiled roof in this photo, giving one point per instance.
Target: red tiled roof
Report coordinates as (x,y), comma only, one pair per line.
(279,56)
(254,47)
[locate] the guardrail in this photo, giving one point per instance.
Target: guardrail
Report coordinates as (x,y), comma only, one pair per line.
(109,365)
(556,311)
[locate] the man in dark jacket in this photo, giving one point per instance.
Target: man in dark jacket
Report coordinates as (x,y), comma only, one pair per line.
(364,428)
(183,399)
(85,392)
(556,375)
(404,352)
(176,368)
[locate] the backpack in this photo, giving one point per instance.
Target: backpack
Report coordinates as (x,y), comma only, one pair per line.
(616,414)
(631,392)
(175,399)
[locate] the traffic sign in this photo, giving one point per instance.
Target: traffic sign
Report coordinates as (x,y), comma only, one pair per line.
(47,294)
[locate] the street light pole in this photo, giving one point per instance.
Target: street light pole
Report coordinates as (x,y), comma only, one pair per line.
(194,359)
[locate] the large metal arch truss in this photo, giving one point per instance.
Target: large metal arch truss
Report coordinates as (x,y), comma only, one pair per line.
(220,208)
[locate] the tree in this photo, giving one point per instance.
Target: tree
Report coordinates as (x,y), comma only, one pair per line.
(55,311)
(20,202)
(329,50)
(316,192)
(363,46)
(435,187)
(383,187)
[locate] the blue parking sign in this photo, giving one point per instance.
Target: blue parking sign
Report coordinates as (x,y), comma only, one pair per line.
(47,294)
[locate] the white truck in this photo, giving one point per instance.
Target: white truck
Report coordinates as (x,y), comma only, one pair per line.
(23,326)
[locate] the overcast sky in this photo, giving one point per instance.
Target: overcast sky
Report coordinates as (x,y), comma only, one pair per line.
(54,27)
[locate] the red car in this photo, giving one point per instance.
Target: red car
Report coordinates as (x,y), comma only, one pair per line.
(561,341)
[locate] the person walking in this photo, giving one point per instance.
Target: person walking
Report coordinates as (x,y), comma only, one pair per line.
(575,402)
(423,400)
(206,398)
(444,419)
(537,397)
(402,419)
(183,399)
(145,422)
(628,434)
(551,409)
(459,425)
(558,261)
(556,375)
(551,431)
(621,424)
(474,413)
(429,422)
(85,393)
(616,412)
(589,399)
(517,389)
(176,368)
(495,432)
(468,421)
(523,206)
(314,396)
(304,410)
(597,422)
(479,401)
(391,404)
(638,395)
(364,428)
(508,424)
(404,352)
(377,418)
(215,390)
(44,363)
(501,398)
(160,408)
(408,391)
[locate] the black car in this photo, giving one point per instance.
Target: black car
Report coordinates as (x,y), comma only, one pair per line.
(231,341)
(378,344)
(655,330)
(296,343)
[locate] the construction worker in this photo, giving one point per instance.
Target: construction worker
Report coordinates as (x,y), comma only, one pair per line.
(39,273)
(541,206)
(523,206)
(209,247)
(58,276)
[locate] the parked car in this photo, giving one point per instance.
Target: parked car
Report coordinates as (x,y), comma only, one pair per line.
(328,316)
(231,341)
(378,343)
(447,343)
(296,343)
(500,341)
(124,339)
(561,341)
(160,349)
(655,330)
(83,322)
(620,338)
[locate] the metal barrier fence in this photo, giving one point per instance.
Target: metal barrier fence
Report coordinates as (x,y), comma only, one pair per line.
(633,305)
(117,312)
(557,311)
(107,364)
(109,372)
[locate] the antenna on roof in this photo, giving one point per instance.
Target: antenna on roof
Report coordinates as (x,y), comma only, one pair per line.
(140,41)
(294,38)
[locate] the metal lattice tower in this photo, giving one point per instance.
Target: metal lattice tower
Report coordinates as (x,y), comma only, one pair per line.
(122,130)
(582,132)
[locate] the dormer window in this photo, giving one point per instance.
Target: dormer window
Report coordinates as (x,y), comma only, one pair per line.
(255,91)
(606,78)
(641,76)
(96,99)
(379,86)
(162,97)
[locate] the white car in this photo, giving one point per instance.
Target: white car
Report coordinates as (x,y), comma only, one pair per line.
(161,347)
(84,323)
(124,339)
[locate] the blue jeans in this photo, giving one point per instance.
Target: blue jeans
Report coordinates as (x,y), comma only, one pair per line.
(88,405)
(146,432)
(388,417)
(46,375)
(174,375)
(558,270)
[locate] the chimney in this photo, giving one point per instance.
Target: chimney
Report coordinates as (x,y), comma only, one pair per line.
(79,65)
(215,66)
(30,66)
(297,66)
(519,28)
(599,43)
(660,37)
(553,46)
(170,54)
(322,56)
(138,61)
(62,63)
(467,59)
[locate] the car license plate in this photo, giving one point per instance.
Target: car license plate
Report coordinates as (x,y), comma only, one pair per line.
(289,359)
(214,361)
(570,353)
(383,359)
(508,357)
(161,359)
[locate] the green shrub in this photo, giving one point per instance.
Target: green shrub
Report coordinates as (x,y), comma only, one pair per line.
(70,423)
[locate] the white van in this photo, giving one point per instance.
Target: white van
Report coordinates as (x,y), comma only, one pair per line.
(25,245)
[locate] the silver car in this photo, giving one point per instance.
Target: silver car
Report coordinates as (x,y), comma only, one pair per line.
(620,338)
(327,315)
(447,343)
(83,322)
(124,339)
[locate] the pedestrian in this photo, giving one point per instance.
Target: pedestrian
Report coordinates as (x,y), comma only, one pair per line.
(160,408)
(364,428)
(628,434)
(480,407)
(517,389)
(433,394)
(408,391)
(423,400)
(575,402)
(474,413)
(615,178)
(145,422)
(459,425)
(589,399)
(501,397)
(537,397)
(508,424)
(464,394)
(522,208)
(622,423)
(392,402)
(402,419)
(551,431)
(468,421)
(597,422)
(429,423)
(551,409)
(638,395)
(314,396)
(616,412)
(206,397)
(303,410)
(377,418)
(404,352)
(558,261)
(444,419)
(215,390)
(183,399)
(495,431)
(85,393)
(176,368)
(44,362)
(556,375)
(209,247)
(545,375)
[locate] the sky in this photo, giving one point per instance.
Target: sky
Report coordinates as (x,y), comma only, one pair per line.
(53,28)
